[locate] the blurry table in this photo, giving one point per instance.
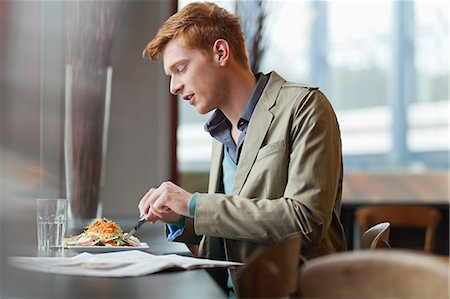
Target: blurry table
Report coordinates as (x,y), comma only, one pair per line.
(167,284)
(365,188)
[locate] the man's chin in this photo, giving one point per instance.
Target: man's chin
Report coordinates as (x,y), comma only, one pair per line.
(203,110)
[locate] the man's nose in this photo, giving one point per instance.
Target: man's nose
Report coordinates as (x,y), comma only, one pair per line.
(175,86)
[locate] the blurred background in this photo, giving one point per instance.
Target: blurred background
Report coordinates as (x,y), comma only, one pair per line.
(384,65)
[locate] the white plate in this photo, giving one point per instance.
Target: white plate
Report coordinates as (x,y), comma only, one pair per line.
(103,249)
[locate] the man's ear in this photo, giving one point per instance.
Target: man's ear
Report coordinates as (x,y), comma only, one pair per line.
(221,50)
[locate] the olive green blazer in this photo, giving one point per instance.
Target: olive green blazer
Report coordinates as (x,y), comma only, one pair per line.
(289,179)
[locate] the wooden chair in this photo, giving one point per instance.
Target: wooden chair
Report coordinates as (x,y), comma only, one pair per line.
(377,274)
(406,216)
(376,236)
(271,272)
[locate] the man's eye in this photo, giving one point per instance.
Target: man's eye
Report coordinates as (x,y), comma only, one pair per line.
(182,68)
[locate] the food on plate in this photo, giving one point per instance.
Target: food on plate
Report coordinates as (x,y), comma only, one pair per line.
(102,232)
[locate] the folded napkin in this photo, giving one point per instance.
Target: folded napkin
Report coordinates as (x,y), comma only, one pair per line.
(114,264)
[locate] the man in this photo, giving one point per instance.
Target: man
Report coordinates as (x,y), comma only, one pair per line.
(276,164)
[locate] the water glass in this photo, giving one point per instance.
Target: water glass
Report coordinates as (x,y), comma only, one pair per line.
(51,223)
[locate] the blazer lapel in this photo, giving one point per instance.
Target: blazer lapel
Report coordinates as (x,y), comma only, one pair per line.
(257,130)
(216,160)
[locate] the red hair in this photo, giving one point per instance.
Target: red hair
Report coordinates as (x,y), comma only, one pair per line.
(201,24)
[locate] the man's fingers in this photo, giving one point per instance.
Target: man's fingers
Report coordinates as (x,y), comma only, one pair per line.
(159,206)
(152,217)
(148,200)
(144,198)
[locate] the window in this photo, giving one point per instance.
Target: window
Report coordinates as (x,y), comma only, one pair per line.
(382,64)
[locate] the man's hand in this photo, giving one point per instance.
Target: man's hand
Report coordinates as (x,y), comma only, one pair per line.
(165,203)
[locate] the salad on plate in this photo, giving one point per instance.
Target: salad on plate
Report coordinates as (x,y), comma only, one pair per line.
(102,232)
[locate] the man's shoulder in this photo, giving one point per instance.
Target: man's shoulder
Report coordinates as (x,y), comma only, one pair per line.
(299,85)
(290,84)
(286,93)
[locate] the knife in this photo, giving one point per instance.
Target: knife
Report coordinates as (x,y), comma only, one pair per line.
(138,225)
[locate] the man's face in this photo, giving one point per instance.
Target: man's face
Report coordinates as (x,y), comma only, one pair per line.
(194,75)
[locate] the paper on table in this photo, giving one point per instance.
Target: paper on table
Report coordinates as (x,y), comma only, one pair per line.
(114,264)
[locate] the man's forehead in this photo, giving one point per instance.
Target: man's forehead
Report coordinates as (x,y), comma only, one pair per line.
(175,50)
(175,46)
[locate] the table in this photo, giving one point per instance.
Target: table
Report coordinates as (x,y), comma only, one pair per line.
(365,188)
(167,284)
(362,188)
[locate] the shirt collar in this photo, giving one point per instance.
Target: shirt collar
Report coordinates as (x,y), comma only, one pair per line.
(256,94)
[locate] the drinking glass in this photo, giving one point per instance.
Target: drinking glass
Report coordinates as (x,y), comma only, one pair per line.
(51,223)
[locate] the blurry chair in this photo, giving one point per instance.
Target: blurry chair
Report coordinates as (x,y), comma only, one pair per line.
(376,236)
(377,274)
(407,216)
(271,272)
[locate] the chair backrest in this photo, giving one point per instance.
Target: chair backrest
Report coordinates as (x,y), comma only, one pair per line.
(403,215)
(376,236)
(380,273)
(271,272)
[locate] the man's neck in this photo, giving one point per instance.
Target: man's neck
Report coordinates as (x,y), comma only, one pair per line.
(241,85)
